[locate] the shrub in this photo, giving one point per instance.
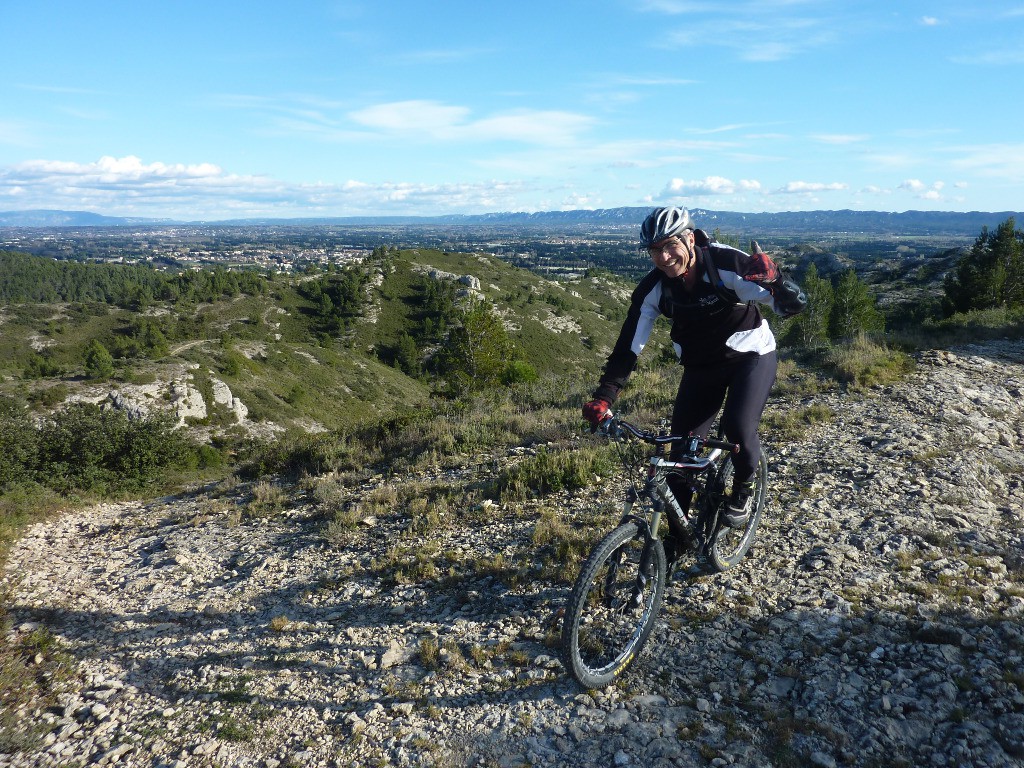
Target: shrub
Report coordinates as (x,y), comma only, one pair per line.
(863,363)
(99,363)
(209,457)
(233,363)
(791,424)
(18,444)
(267,499)
(303,454)
(518,372)
(89,449)
(551,471)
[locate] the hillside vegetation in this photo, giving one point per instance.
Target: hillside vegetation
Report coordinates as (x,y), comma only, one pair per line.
(335,348)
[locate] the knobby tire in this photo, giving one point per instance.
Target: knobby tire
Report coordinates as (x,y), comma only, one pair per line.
(605,625)
(731,544)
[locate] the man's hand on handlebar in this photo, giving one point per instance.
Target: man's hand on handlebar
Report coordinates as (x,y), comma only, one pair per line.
(596,412)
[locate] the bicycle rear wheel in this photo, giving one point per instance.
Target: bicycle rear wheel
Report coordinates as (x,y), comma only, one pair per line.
(613,606)
(731,544)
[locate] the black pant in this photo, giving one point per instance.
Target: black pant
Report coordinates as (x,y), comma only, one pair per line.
(743,384)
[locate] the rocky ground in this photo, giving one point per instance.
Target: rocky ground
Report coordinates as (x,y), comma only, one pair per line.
(879,620)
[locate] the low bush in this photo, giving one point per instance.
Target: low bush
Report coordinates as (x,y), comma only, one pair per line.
(792,423)
(549,471)
(85,448)
(863,363)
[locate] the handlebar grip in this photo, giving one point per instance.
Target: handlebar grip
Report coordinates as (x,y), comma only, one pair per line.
(725,445)
(608,426)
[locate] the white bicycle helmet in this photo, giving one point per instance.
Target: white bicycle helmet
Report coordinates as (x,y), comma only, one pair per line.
(662,223)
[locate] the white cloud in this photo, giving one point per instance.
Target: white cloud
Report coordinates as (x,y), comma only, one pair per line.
(720,129)
(113,170)
(431,119)
(402,116)
(59,89)
(992,56)
(16,134)
(570,158)
(890,161)
(528,126)
(440,54)
(127,186)
(763,31)
(709,185)
(798,187)
(675,7)
(930,21)
(579,202)
(995,161)
(923,191)
(770,50)
(647,81)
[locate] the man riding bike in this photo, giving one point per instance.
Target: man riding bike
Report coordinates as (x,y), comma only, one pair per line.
(711,293)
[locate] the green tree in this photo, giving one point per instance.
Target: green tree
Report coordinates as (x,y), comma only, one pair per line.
(518,372)
(991,274)
(720,237)
(407,355)
(154,341)
(17,443)
(87,448)
(853,309)
(477,353)
(812,325)
(99,364)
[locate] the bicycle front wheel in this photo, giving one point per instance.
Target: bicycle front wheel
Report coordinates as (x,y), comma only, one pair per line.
(731,544)
(613,606)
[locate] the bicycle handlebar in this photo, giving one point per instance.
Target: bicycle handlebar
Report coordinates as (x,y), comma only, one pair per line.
(615,428)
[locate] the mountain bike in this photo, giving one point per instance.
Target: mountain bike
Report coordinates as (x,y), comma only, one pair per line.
(618,594)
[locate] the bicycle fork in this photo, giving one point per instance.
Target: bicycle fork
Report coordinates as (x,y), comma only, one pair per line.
(645,567)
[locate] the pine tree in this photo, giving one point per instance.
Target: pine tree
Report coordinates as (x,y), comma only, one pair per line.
(991,274)
(99,364)
(407,355)
(853,309)
(477,353)
(811,326)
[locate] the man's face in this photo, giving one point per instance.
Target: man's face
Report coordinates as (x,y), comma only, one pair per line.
(673,255)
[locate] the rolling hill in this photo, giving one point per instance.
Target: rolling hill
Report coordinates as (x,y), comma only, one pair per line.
(290,360)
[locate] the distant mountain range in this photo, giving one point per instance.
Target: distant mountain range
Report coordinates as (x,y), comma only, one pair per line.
(789,222)
(48,218)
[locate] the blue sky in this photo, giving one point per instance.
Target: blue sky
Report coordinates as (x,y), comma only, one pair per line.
(222,109)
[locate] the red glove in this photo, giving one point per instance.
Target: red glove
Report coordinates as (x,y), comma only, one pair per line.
(596,411)
(763,270)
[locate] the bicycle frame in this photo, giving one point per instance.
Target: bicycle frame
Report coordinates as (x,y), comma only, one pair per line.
(690,467)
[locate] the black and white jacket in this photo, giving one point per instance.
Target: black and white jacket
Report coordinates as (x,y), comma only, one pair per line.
(711,325)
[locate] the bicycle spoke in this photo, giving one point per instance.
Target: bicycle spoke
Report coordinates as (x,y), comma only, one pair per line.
(613,607)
